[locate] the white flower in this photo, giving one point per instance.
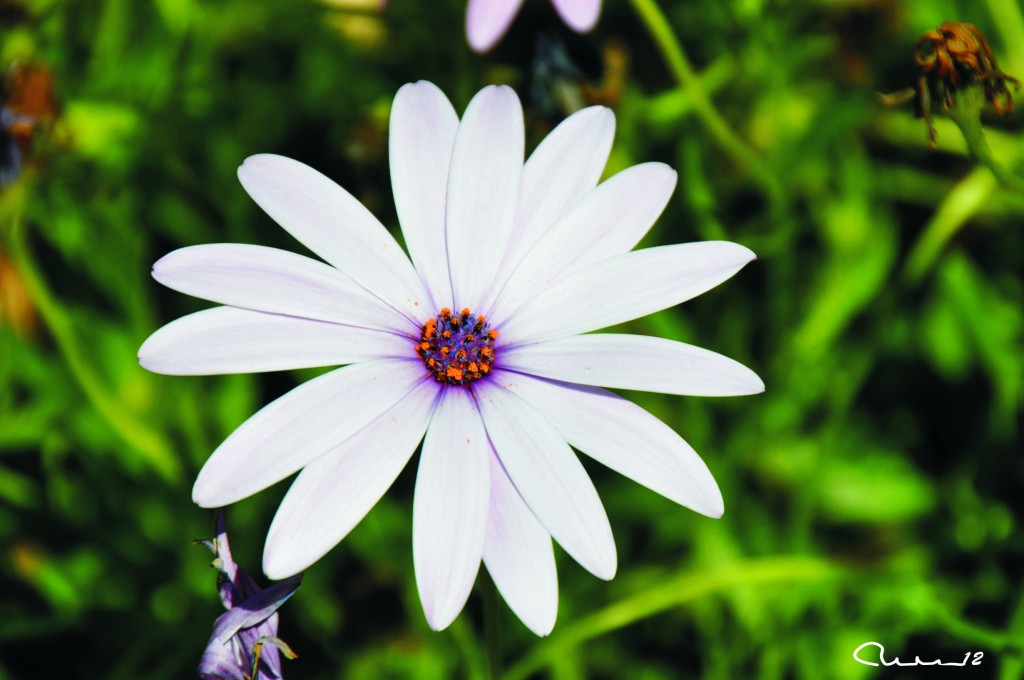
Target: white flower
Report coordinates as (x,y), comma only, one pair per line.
(487,20)
(530,258)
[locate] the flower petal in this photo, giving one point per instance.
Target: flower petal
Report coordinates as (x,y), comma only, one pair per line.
(483,188)
(519,556)
(218,661)
(562,170)
(450,507)
(487,21)
(301,426)
(608,221)
(334,492)
(616,432)
(579,15)
(423,126)
(634,362)
(333,224)
(255,610)
(230,340)
(624,288)
(549,478)
(272,280)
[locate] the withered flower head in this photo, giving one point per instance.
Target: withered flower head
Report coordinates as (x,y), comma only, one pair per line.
(952,58)
(955,54)
(244,643)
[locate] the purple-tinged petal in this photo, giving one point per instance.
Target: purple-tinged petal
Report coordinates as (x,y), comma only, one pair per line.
(254,610)
(230,340)
(423,127)
(634,362)
(618,433)
(333,493)
(236,585)
(487,21)
(218,662)
(248,631)
(450,507)
(624,288)
(549,477)
(483,188)
(579,15)
(335,226)
(519,556)
(301,426)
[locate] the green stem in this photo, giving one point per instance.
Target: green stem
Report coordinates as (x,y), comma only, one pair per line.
(492,626)
(967,116)
(671,593)
(964,630)
(1013,667)
(970,194)
(144,440)
(671,49)
(956,209)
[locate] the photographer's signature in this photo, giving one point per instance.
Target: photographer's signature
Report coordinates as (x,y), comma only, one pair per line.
(976,661)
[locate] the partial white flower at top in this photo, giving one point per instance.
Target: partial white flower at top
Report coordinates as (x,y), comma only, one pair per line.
(478,347)
(487,20)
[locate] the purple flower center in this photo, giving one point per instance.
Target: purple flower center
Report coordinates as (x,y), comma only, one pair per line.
(457,349)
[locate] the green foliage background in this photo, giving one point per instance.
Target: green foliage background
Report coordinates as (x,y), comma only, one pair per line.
(872,493)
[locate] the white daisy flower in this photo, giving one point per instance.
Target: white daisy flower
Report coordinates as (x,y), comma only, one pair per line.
(478,347)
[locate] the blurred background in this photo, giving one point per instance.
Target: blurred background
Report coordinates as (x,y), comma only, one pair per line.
(874,492)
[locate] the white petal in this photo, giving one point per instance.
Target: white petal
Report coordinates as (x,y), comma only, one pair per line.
(334,492)
(230,340)
(562,170)
(487,21)
(549,478)
(624,288)
(333,224)
(579,15)
(608,221)
(423,126)
(276,281)
(618,433)
(482,191)
(634,362)
(519,556)
(450,507)
(301,426)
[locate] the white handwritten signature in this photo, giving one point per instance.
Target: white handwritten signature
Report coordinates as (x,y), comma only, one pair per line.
(976,661)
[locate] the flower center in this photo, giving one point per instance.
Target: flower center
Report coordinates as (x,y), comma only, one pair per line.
(457,349)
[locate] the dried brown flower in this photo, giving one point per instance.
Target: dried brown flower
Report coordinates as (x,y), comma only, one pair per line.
(957,53)
(950,58)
